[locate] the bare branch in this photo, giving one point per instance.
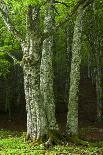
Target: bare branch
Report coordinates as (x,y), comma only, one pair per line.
(13,57)
(7,21)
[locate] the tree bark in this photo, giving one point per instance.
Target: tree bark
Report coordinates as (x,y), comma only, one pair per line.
(31,47)
(36,120)
(69,37)
(94,56)
(72,116)
(46,75)
(98,78)
(91,43)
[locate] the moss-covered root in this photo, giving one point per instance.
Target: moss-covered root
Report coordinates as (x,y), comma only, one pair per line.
(76,140)
(53,137)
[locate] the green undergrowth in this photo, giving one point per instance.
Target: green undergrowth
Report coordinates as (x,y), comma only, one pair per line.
(13,143)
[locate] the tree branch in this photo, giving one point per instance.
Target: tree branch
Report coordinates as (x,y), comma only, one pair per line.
(7,21)
(89,2)
(57,2)
(55,10)
(14,59)
(64,21)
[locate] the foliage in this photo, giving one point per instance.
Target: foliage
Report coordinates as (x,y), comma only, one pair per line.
(10,45)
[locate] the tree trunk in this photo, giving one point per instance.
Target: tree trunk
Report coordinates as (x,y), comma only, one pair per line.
(69,37)
(94,63)
(98,89)
(91,43)
(72,116)
(98,79)
(98,56)
(36,121)
(46,76)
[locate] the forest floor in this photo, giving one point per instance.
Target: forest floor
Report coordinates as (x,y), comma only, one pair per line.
(13,143)
(12,129)
(12,138)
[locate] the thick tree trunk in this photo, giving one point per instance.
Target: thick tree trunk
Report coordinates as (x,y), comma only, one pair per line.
(46,76)
(72,116)
(36,120)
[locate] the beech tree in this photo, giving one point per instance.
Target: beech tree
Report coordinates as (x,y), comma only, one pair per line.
(95,56)
(46,75)
(31,39)
(69,39)
(98,60)
(72,116)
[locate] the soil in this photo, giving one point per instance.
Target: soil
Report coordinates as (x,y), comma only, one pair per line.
(17,121)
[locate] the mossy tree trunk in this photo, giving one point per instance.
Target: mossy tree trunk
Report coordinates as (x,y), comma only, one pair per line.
(91,52)
(98,60)
(99,87)
(91,43)
(36,120)
(31,44)
(98,78)
(46,76)
(69,37)
(72,116)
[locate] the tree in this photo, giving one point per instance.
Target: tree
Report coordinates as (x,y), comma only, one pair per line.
(95,55)
(69,37)
(46,75)
(72,116)
(31,38)
(98,60)
(31,47)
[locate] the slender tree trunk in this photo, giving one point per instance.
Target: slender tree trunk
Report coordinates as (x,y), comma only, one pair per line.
(98,89)
(72,116)
(94,63)
(69,37)
(46,76)
(91,44)
(98,80)
(91,56)
(98,56)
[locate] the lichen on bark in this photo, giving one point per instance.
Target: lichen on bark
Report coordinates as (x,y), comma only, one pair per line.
(36,120)
(46,75)
(72,116)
